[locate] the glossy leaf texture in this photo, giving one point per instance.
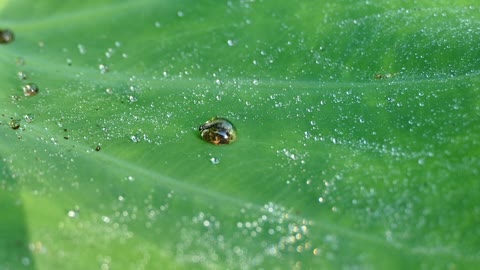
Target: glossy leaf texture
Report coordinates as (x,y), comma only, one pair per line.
(357,121)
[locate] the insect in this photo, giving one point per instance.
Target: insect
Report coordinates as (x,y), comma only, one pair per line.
(218,130)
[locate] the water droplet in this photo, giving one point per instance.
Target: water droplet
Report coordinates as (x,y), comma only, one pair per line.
(103,68)
(109,91)
(30,89)
(28,117)
(230,42)
(22,75)
(82,49)
(135,139)
(15,123)
(98,148)
(72,214)
(180,14)
(214,160)
(158,24)
(132,99)
(218,131)
(106,219)
(6,36)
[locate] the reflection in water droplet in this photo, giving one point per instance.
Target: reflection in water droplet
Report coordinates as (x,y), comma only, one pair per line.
(218,131)
(30,89)
(6,36)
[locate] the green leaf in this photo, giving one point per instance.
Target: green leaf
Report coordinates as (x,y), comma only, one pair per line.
(358,135)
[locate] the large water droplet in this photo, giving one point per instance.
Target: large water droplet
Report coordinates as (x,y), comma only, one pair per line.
(218,131)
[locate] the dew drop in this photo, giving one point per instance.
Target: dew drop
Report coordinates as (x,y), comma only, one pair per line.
(81,49)
(15,123)
(6,36)
(214,160)
(230,42)
(132,99)
(72,214)
(28,117)
(218,131)
(30,89)
(135,139)
(22,75)
(103,68)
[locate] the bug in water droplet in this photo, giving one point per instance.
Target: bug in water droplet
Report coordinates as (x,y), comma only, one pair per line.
(218,131)
(30,89)
(6,36)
